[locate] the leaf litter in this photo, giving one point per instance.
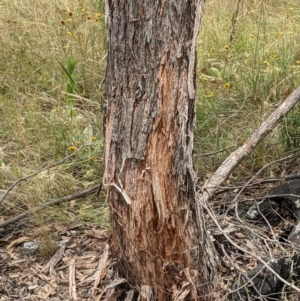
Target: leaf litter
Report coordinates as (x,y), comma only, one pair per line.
(80,269)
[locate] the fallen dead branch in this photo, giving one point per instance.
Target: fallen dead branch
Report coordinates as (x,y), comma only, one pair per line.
(84,193)
(251,183)
(233,160)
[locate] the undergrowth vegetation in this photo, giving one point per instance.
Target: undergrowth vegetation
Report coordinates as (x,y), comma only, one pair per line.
(52,68)
(248,63)
(52,64)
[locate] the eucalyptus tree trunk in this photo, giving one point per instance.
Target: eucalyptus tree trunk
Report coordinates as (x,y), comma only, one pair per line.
(158,231)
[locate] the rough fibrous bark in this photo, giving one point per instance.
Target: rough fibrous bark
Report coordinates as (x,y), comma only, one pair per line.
(158,234)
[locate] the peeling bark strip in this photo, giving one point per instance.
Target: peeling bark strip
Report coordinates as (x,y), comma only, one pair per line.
(157,233)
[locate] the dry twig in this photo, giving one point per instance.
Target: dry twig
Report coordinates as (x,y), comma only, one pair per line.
(72,282)
(37,172)
(54,202)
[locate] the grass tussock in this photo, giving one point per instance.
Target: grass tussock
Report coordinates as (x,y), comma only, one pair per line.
(52,64)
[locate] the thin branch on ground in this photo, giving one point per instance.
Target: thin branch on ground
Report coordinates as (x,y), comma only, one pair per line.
(238,268)
(234,21)
(250,184)
(67,198)
(37,172)
(86,100)
(233,160)
(244,251)
(213,153)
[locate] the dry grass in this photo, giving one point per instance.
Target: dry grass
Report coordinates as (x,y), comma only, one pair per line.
(248,64)
(51,49)
(40,122)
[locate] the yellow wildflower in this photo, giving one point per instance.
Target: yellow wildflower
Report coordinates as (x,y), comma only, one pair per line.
(266,104)
(72,148)
(210,94)
(227,85)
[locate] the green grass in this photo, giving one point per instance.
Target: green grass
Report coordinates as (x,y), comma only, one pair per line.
(52,62)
